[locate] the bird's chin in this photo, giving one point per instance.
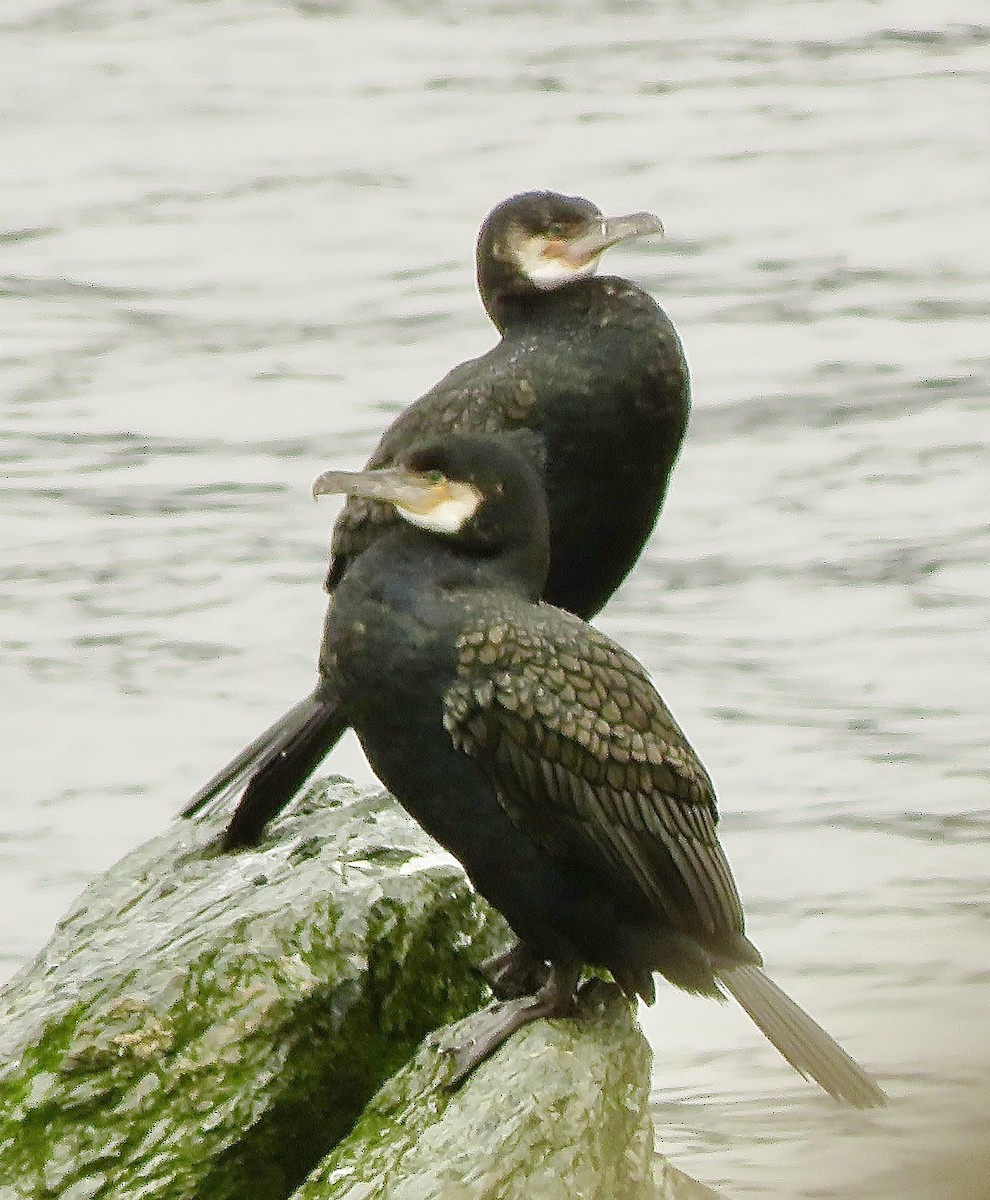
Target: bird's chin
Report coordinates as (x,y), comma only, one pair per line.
(555,272)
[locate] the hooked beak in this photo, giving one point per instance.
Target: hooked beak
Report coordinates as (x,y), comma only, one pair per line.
(391,484)
(613,230)
(428,500)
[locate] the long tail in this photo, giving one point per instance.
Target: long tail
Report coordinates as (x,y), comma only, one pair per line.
(234,775)
(273,767)
(805,1045)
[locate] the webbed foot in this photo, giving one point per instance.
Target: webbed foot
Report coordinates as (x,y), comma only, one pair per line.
(487,1031)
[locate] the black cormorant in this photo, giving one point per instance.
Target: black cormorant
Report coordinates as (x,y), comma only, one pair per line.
(538,752)
(593,365)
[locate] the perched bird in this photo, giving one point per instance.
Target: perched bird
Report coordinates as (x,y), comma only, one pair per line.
(592,365)
(538,752)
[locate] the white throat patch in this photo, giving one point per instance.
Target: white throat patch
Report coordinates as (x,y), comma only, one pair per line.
(544,262)
(447,511)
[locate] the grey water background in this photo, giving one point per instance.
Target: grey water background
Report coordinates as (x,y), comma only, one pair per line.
(236,238)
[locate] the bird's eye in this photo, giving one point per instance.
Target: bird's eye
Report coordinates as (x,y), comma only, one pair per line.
(557,229)
(435,477)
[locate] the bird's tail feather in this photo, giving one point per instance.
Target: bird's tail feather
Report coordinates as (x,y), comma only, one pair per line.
(283,769)
(234,775)
(805,1045)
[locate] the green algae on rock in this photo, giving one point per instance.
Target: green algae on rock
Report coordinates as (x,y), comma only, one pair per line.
(561,1111)
(213,1028)
(210,1027)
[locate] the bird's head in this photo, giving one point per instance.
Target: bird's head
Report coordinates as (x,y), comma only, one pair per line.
(482,495)
(539,241)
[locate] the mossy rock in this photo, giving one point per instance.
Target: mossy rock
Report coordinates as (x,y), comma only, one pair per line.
(561,1112)
(210,1026)
(206,1027)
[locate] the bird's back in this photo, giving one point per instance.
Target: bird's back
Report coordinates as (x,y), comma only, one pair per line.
(599,372)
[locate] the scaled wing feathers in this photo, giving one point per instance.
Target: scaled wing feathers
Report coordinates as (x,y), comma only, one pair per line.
(585,755)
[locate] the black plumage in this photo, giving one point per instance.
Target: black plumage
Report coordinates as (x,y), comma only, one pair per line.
(539,753)
(590,364)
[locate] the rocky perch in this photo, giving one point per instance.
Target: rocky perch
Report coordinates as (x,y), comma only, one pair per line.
(273,1023)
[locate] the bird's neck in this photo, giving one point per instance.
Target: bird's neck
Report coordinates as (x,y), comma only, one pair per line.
(526,307)
(422,563)
(519,304)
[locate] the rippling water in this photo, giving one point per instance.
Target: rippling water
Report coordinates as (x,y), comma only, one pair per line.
(235,238)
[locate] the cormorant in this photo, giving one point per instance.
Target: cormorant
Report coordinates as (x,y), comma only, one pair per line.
(593,365)
(538,752)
